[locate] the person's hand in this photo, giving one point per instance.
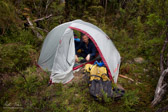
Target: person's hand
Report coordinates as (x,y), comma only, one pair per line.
(88,57)
(76,58)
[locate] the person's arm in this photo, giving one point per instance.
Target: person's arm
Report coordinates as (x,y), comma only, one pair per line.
(76,49)
(93,49)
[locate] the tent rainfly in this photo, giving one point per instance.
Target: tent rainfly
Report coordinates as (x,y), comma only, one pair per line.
(58,51)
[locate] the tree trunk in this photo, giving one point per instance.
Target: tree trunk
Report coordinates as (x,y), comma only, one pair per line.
(102,2)
(67,9)
(106,7)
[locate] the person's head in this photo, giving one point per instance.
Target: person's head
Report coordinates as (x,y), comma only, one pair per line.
(85,38)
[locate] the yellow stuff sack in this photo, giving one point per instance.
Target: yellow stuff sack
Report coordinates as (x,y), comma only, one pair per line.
(96,72)
(88,68)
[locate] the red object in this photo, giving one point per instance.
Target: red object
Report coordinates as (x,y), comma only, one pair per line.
(90,62)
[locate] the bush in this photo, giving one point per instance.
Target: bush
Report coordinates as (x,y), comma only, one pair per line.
(14,57)
(8,18)
(130,100)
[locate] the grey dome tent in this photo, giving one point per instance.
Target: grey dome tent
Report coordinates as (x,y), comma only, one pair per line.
(58,51)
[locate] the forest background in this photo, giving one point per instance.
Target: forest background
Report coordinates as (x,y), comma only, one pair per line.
(137,28)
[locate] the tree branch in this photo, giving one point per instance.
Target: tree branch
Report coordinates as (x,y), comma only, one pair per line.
(34,5)
(47,4)
(33,29)
(162,54)
(40,19)
(126,77)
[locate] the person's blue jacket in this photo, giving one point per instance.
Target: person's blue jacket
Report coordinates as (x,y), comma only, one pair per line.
(88,49)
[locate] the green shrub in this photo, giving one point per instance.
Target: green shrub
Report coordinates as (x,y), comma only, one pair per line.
(8,17)
(14,57)
(129,100)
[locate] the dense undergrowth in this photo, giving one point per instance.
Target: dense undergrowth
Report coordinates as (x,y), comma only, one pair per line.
(137,28)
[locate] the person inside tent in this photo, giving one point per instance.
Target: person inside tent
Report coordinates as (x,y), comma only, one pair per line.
(88,50)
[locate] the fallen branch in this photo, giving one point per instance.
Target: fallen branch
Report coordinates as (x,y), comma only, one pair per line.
(160,89)
(40,19)
(126,77)
(33,29)
(162,85)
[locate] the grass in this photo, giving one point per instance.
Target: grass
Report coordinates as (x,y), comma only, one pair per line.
(32,93)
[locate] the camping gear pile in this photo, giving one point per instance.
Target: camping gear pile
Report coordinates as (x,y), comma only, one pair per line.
(99,83)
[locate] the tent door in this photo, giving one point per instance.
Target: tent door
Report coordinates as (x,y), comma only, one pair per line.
(71,51)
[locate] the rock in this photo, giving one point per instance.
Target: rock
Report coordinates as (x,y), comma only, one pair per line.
(76,95)
(139,60)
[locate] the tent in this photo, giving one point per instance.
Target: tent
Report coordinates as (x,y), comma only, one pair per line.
(58,51)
